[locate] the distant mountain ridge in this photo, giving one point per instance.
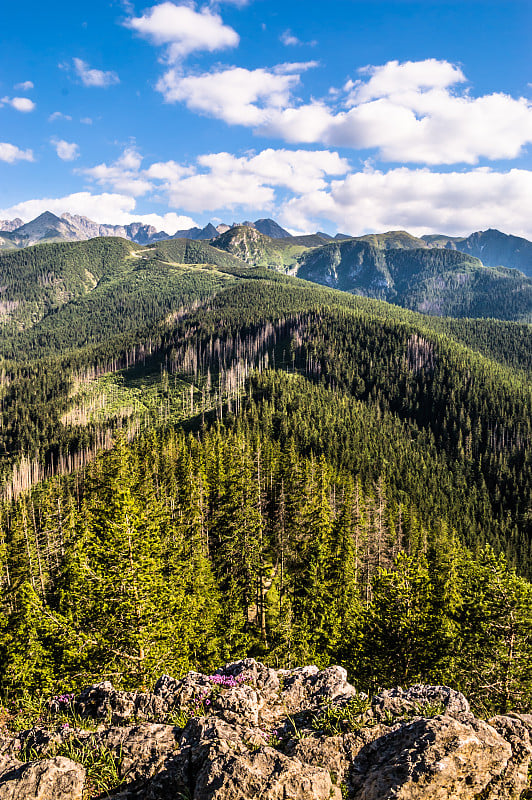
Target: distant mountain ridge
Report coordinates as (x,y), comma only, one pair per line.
(279,249)
(394,266)
(48,227)
(492,247)
(10,224)
(438,281)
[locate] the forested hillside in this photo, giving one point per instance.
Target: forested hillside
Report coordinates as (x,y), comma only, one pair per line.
(435,281)
(492,246)
(203,460)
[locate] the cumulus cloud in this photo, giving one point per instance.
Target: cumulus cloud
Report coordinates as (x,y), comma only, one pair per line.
(290,40)
(297,170)
(11,153)
(67,151)
(420,201)
(94,77)
(412,112)
(236,95)
(57,115)
(221,180)
(170,222)
(183,30)
(123,175)
(227,181)
(25,86)
(394,78)
(115,209)
(224,181)
(23,104)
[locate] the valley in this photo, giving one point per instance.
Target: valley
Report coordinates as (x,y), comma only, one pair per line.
(210,450)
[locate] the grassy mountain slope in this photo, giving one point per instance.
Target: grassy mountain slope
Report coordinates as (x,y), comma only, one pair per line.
(186,251)
(392,240)
(258,250)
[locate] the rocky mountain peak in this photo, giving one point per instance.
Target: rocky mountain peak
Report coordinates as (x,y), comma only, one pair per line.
(10,225)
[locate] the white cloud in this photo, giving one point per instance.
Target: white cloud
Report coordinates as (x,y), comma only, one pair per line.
(420,201)
(94,77)
(25,86)
(238,96)
(184,30)
(297,170)
(168,171)
(289,40)
(23,104)
(394,78)
(115,209)
(123,175)
(410,112)
(57,115)
(170,222)
(67,151)
(86,120)
(222,180)
(290,67)
(11,153)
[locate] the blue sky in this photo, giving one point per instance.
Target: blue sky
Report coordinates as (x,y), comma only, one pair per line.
(341,116)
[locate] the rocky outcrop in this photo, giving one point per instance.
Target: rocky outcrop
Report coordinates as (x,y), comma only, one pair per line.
(249,731)
(10,225)
(46,779)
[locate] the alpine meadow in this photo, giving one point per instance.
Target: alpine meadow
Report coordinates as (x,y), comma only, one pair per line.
(266,487)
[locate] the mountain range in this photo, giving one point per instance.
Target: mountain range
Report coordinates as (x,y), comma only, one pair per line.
(492,247)
(48,227)
(487,274)
(293,471)
(393,266)
(78,287)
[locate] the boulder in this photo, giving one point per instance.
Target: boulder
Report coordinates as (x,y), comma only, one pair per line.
(306,687)
(103,701)
(440,758)
(420,700)
(143,749)
(334,753)
(263,773)
(515,778)
(249,731)
(48,779)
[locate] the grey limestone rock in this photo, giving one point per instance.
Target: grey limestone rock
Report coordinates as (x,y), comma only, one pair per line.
(48,779)
(103,701)
(515,777)
(263,773)
(250,731)
(143,749)
(419,698)
(440,758)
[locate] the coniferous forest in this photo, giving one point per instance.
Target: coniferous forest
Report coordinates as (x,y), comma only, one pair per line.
(202,460)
